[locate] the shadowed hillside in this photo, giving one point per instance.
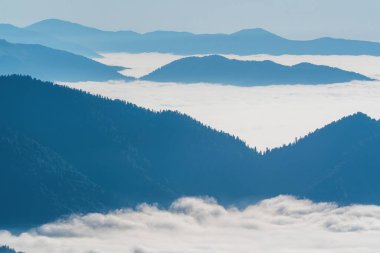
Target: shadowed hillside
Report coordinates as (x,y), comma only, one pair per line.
(36,184)
(339,162)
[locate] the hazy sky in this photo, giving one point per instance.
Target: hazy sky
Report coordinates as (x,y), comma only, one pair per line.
(291,18)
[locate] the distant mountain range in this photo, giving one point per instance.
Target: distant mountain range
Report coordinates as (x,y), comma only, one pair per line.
(15,34)
(51,64)
(65,151)
(57,65)
(86,41)
(218,69)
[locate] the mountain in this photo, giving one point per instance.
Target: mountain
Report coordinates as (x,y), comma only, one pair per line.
(245,42)
(217,69)
(129,153)
(51,64)
(64,151)
(94,39)
(339,162)
(6,249)
(15,34)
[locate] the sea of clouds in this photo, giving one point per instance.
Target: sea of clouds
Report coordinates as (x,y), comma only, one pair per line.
(200,225)
(263,117)
(267,116)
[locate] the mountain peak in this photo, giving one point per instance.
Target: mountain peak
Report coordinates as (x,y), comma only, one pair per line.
(54,25)
(255,32)
(167,33)
(52,21)
(358,117)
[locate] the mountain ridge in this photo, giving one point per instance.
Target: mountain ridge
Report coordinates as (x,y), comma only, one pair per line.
(134,155)
(16,34)
(70,36)
(220,70)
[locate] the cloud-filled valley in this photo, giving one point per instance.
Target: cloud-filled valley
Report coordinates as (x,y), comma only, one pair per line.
(197,225)
(261,116)
(178,142)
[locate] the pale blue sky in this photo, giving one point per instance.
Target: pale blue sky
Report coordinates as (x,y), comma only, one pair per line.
(298,19)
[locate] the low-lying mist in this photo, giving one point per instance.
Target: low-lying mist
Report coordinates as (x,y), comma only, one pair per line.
(200,225)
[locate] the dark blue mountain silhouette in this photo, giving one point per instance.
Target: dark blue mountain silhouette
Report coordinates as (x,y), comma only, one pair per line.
(6,249)
(218,69)
(15,34)
(245,42)
(51,64)
(338,163)
(87,153)
(42,184)
(132,154)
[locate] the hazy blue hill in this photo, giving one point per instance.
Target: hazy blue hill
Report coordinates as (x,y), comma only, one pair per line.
(218,69)
(335,46)
(95,39)
(50,64)
(68,30)
(339,162)
(245,42)
(58,28)
(15,34)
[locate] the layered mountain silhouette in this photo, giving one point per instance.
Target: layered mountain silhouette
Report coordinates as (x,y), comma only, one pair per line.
(51,64)
(65,151)
(15,34)
(245,42)
(218,69)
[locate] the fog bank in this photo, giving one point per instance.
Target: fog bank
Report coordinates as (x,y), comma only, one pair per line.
(279,225)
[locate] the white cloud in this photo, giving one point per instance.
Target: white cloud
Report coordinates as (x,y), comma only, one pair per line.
(137,65)
(281,224)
